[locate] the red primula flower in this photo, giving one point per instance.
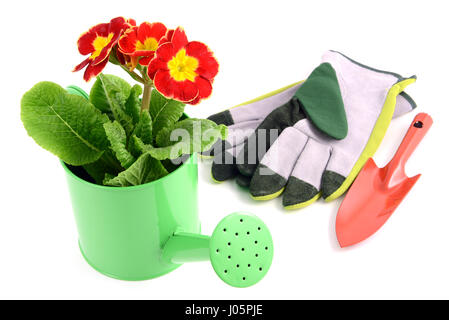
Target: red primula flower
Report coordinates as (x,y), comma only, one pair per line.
(183,70)
(167,37)
(141,42)
(98,42)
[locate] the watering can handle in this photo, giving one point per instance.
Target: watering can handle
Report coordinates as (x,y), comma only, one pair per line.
(416,132)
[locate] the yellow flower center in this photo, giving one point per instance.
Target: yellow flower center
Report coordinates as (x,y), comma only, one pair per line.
(99,44)
(183,67)
(150,44)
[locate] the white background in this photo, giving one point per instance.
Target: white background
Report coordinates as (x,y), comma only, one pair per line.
(261,46)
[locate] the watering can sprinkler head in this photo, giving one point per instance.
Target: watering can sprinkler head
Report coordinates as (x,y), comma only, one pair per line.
(240,249)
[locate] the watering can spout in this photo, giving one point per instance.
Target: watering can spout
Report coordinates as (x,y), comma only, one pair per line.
(186,247)
(240,249)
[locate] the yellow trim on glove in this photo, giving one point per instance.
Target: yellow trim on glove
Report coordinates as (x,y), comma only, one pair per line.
(215,180)
(268,196)
(203,157)
(303,204)
(267,95)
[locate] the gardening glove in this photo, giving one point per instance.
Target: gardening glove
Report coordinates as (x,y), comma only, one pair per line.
(243,119)
(328,126)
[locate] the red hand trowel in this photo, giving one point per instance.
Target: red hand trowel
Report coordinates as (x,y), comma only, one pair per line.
(377,192)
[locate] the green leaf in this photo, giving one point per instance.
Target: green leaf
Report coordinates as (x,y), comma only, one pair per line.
(171,165)
(186,137)
(144,170)
(110,94)
(98,95)
(96,170)
(170,152)
(65,124)
(134,146)
(201,131)
(117,137)
(107,177)
(133,104)
(137,147)
(144,128)
(107,164)
(164,112)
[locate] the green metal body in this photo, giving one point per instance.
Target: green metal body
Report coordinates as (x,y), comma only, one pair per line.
(122,230)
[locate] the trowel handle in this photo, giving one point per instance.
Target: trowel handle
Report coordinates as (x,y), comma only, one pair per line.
(418,129)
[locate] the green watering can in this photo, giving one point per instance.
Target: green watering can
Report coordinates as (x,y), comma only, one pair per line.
(146,231)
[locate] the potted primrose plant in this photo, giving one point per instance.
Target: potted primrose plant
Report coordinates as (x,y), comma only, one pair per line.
(127,150)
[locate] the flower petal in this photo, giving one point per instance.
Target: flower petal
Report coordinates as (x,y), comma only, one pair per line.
(162,82)
(116,28)
(204,90)
(117,25)
(165,52)
(155,65)
(167,37)
(158,30)
(184,91)
(204,87)
(179,39)
(131,22)
(121,57)
(142,41)
(81,65)
(154,30)
(145,61)
(144,31)
(127,42)
(104,55)
(208,65)
(85,41)
(94,70)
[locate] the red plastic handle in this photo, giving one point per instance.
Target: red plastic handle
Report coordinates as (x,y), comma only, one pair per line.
(418,129)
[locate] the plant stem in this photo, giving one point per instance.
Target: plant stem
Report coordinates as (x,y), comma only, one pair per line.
(146,96)
(133,75)
(147,88)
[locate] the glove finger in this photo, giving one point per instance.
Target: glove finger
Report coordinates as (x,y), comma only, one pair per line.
(305,181)
(224,165)
(336,172)
(276,166)
(218,147)
(266,133)
(223,117)
(225,152)
(404,104)
(243,181)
